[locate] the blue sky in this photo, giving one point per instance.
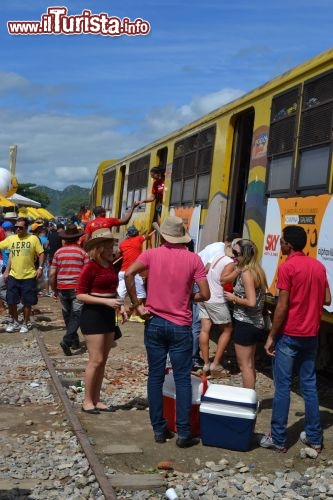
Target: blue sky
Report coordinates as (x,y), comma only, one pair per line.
(70,102)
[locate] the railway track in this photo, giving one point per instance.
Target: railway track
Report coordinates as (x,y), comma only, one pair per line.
(122,458)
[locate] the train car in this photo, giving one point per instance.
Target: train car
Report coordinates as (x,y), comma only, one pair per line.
(252,166)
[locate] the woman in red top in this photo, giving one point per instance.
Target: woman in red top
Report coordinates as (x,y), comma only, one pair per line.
(98,291)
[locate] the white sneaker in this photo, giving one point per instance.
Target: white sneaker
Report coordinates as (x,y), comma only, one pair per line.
(304,439)
(24,328)
(13,327)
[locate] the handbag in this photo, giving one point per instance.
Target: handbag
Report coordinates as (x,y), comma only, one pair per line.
(267,317)
(117,333)
(267,322)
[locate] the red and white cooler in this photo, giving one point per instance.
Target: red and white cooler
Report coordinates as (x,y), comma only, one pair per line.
(199,387)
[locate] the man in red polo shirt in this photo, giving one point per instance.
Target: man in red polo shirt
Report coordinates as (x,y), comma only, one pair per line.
(101,221)
(293,339)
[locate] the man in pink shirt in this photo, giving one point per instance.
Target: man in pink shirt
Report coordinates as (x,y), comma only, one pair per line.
(172,270)
(293,339)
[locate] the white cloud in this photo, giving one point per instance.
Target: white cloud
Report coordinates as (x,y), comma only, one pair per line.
(12,81)
(163,120)
(61,149)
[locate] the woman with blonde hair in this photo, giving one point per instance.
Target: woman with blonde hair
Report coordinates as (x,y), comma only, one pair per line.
(248,302)
(97,290)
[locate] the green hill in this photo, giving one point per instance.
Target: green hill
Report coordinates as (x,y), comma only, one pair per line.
(67,202)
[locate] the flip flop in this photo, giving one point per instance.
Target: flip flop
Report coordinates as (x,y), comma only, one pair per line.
(108,409)
(92,411)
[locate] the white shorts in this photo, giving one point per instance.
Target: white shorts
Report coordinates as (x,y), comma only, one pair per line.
(139,286)
(219,314)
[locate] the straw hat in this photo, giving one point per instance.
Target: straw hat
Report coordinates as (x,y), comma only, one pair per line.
(173,230)
(99,236)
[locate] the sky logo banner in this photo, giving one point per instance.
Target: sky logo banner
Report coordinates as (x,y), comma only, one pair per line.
(57,22)
(315,215)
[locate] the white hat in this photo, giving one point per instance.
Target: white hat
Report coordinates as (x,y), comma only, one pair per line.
(10,215)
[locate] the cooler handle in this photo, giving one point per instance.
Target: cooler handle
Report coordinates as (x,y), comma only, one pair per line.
(204,384)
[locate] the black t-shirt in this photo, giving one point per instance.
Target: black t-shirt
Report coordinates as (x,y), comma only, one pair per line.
(55,242)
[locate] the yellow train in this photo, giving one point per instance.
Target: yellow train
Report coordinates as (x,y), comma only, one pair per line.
(252,166)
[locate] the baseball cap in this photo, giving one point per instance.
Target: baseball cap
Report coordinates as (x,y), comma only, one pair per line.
(35,226)
(8,225)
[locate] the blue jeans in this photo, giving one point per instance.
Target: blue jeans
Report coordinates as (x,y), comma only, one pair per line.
(162,338)
(71,312)
(295,353)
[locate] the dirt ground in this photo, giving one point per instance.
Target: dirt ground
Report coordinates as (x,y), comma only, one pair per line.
(124,439)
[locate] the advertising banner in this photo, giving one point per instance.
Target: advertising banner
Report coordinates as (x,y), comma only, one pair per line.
(191,219)
(315,214)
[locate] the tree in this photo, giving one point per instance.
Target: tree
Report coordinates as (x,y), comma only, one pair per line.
(70,205)
(30,191)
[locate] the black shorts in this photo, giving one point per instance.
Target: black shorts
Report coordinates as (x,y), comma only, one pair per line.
(97,318)
(24,291)
(246,333)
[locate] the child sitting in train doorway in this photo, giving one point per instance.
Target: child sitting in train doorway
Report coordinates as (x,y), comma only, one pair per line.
(158,174)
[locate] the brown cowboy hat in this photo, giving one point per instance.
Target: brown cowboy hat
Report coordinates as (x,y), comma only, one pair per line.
(99,236)
(173,230)
(71,232)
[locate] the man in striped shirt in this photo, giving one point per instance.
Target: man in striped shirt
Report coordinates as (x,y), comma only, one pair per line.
(64,273)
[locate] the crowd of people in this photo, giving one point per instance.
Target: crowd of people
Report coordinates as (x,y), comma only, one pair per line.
(179,295)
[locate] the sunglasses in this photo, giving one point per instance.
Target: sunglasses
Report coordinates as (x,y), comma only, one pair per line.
(19,227)
(283,242)
(236,254)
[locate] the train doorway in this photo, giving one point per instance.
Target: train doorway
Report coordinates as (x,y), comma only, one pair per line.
(240,165)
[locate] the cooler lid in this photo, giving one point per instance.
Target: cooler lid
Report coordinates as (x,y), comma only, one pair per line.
(227,411)
(199,385)
(230,395)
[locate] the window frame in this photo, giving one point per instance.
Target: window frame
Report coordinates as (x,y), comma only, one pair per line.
(313,131)
(137,180)
(192,147)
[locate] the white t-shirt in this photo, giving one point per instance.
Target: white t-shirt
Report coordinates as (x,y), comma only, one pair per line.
(211,251)
(213,277)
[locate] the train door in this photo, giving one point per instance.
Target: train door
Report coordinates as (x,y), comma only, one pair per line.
(121,180)
(240,164)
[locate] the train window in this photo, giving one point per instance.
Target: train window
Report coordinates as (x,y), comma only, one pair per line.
(318,90)
(137,179)
(188,188)
(310,177)
(203,187)
(130,198)
(193,157)
(282,141)
(137,195)
(143,194)
(177,169)
(109,182)
(176,193)
(279,174)
(315,135)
